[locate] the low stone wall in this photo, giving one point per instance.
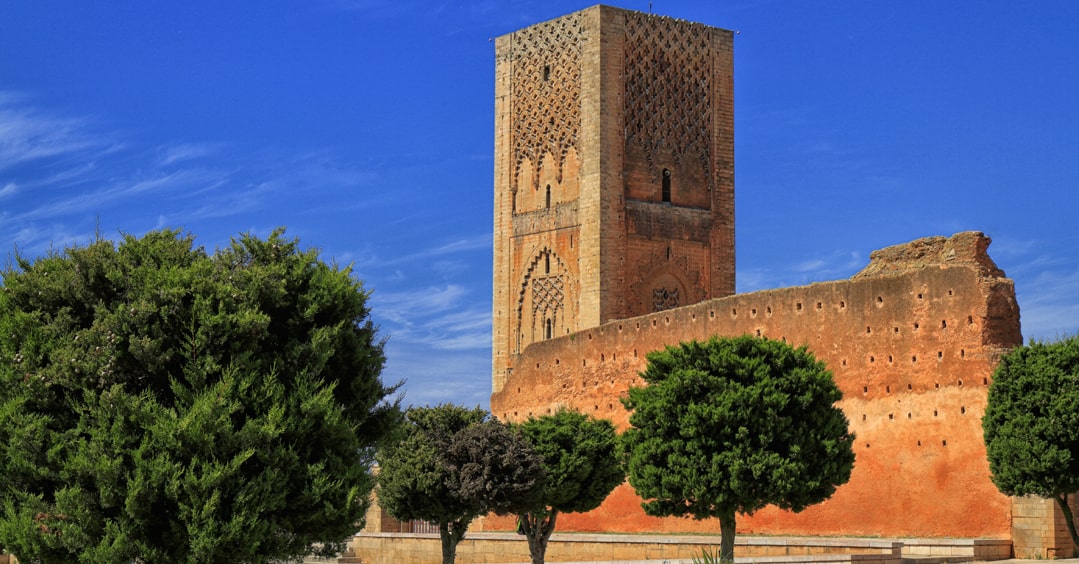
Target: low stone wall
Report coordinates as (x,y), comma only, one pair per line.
(490,548)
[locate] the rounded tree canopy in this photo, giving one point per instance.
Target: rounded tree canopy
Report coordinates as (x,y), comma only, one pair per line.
(580,457)
(735,424)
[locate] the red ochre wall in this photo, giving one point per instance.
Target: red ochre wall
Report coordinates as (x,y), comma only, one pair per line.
(912,341)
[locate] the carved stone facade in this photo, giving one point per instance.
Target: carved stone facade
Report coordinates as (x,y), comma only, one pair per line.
(613,173)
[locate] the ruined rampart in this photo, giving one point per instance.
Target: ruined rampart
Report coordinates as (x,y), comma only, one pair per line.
(912,341)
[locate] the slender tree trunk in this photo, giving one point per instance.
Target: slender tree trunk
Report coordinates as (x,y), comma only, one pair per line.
(1062,501)
(538,527)
(726,539)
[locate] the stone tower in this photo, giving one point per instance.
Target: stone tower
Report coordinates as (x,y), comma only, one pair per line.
(614,173)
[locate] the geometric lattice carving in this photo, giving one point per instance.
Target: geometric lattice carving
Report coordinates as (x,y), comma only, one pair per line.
(664,298)
(668,91)
(547,294)
(546,86)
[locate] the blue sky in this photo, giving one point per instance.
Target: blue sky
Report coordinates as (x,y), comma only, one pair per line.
(366,127)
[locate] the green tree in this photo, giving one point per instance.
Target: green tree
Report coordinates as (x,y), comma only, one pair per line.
(731,425)
(160,404)
(582,464)
(453,464)
(1031,423)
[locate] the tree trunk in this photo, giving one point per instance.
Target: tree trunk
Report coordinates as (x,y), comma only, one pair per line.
(451,534)
(538,527)
(726,539)
(1062,501)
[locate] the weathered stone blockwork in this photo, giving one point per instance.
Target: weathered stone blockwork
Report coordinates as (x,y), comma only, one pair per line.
(1039,529)
(912,341)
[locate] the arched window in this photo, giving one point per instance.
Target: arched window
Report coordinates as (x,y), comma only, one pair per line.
(548,196)
(548,328)
(546,264)
(666,185)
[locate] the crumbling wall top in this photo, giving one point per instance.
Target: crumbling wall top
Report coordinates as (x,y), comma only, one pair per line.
(968,248)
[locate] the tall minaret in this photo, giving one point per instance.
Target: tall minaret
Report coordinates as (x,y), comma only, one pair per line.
(614,173)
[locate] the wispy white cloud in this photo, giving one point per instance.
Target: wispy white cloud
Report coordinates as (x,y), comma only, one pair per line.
(28,134)
(186,152)
(8,190)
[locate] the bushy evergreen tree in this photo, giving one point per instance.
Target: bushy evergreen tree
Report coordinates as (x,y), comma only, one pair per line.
(1031,423)
(734,424)
(162,404)
(454,464)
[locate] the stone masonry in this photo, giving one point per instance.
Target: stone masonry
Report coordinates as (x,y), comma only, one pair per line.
(614,173)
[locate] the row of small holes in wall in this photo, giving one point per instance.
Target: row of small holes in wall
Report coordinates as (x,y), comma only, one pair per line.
(910,387)
(842,305)
(943,442)
(917,325)
(913,358)
(910,415)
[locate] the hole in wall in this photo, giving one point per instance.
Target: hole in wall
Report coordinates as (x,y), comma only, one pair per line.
(820,305)
(602,357)
(753,312)
(868,329)
(896,330)
(556,361)
(798,306)
(518,390)
(934,413)
(950,292)
(891,416)
(880,300)
(584,362)
(937,385)
(963,410)
(960,382)
(872,360)
(962,353)
(653,323)
(863,417)
(985,381)
(916,326)
(842,304)
(943,323)
(919,295)
(909,415)
(887,389)
(712,313)
(910,386)
(914,358)
(619,326)
(889,359)
(865,389)
(634,353)
(844,362)
(970,320)
(944,442)
(758,332)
